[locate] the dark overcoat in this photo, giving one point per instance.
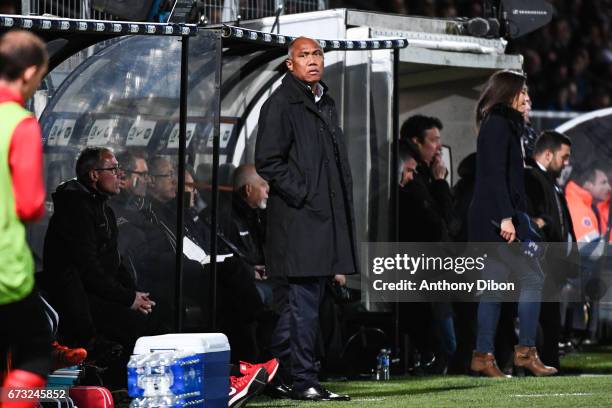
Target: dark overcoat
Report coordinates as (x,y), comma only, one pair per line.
(546,200)
(301,152)
(541,189)
(499,191)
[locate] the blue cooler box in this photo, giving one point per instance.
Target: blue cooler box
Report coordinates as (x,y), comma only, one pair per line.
(207,372)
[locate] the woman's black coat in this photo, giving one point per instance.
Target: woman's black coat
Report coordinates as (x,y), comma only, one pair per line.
(499,191)
(301,152)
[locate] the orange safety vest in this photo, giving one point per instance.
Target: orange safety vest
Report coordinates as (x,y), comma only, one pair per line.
(587,226)
(604,213)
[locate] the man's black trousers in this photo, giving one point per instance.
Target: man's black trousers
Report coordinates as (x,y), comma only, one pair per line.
(26,333)
(294,339)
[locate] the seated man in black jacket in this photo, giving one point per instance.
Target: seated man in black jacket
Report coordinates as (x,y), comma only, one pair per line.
(133,239)
(233,282)
(160,264)
(247,229)
(84,275)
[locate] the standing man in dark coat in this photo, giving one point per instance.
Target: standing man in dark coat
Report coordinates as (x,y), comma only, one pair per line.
(425,208)
(302,154)
(547,206)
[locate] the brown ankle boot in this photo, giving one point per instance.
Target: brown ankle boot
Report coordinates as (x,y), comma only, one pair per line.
(484,363)
(528,358)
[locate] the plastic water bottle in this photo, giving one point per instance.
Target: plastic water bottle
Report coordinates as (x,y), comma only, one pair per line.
(385,364)
(157,377)
(165,374)
(380,359)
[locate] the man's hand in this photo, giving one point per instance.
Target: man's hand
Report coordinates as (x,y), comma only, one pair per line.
(340,279)
(142,303)
(438,168)
(539,222)
(507,230)
(260,272)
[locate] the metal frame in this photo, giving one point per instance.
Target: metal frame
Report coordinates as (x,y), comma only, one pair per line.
(96,30)
(112,28)
(181,180)
(52,28)
(278,40)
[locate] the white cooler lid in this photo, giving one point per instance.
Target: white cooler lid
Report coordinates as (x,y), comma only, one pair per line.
(190,342)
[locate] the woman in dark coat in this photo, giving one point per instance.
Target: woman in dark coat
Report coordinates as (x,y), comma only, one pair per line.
(499,199)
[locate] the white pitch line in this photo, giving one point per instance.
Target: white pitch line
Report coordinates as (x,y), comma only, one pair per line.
(594,375)
(367,399)
(575,394)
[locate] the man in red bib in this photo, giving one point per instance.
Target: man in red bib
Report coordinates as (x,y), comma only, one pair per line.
(24,330)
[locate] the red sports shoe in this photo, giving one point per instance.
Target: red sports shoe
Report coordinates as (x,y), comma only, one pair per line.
(270,366)
(63,356)
(242,389)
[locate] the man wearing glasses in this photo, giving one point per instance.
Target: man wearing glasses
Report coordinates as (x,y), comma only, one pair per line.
(135,179)
(133,241)
(88,284)
(163,180)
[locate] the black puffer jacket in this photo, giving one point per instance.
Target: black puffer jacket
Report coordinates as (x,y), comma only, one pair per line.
(82,238)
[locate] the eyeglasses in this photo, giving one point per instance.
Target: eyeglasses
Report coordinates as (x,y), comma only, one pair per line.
(114,170)
(171,174)
(139,173)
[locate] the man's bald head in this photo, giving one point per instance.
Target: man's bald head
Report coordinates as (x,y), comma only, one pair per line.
(305,60)
(250,185)
(298,41)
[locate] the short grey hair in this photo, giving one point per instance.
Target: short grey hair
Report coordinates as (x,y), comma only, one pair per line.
(88,159)
(157,162)
(245,174)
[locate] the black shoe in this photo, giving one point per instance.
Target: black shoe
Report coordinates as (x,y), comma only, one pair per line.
(278,391)
(102,352)
(318,393)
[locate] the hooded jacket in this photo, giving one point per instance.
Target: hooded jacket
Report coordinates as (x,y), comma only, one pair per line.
(82,238)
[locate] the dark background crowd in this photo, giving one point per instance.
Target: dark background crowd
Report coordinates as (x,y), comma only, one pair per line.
(568,62)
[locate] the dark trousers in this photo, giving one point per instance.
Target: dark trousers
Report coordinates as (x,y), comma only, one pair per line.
(294,338)
(550,322)
(239,319)
(66,294)
(26,333)
(466,329)
(119,323)
(123,325)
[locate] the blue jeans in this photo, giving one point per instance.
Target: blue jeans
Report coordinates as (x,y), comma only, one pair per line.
(531,280)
